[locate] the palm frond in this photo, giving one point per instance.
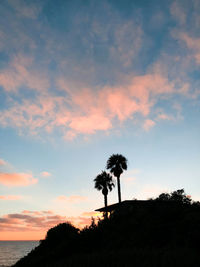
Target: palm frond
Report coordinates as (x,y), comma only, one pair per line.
(116,164)
(104,181)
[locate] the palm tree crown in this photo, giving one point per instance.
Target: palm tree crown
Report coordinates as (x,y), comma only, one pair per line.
(104,182)
(117,164)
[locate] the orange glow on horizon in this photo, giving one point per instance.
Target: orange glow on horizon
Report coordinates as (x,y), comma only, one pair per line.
(28,235)
(22,236)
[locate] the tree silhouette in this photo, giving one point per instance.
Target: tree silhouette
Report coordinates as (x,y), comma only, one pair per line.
(178,196)
(104,182)
(117,164)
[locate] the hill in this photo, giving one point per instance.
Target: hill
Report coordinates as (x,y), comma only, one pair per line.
(160,232)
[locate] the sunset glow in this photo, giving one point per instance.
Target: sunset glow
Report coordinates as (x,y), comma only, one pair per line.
(81,80)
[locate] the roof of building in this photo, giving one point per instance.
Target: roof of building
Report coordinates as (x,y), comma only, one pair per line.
(136,203)
(121,204)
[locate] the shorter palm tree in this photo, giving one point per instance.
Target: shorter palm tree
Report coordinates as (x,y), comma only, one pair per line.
(104,183)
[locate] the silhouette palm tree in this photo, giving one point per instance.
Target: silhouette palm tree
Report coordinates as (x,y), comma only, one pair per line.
(117,164)
(104,182)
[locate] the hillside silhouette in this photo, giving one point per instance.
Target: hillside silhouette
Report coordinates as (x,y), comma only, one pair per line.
(159,232)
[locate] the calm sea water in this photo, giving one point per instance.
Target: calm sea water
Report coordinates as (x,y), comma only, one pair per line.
(12,251)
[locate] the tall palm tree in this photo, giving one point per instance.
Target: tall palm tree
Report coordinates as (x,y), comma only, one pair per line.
(117,164)
(104,182)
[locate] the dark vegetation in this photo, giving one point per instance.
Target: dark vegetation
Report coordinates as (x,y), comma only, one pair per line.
(160,232)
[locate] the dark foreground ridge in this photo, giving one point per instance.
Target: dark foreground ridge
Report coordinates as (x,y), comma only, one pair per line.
(159,232)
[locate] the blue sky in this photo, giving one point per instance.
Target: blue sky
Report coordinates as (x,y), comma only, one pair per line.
(81,80)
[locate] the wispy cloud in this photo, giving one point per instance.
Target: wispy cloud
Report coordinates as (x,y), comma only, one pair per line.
(21,73)
(163,116)
(28,223)
(37,212)
(130,176)
(178,12)
(193,44)
(10,197)
(17,179)
(71,199)
(148,124)
(45,174)
(29,10)
(2,162)
(12,178)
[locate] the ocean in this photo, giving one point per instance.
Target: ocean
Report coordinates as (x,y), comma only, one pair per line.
(12,251)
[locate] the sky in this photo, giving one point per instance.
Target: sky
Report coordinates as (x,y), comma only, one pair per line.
(82,80)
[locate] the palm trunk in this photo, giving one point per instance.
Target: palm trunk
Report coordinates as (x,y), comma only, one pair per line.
(106,204)
(119,188)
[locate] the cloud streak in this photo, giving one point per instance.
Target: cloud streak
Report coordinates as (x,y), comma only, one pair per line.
(30,225)
(71,199)
(2,162)
(24,222)
(10,197)
(17,179)
(45,174)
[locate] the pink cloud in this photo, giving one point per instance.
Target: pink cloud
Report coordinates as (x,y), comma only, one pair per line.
(86,111)
(72,199)
(163,116)
(120,103)
(131,176)
(90,124)
(29,224)
(30,10)
(148,124)
(137,96)
(2,162)
(70,135)
(10,197)
(37,212)
(128,41)
(45,174)
(47,212)
(19,73)
(41,115)
(178,12)
(197,57)
(193,44)
(32,212)
(17,179)
(30,221)
(130,179)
